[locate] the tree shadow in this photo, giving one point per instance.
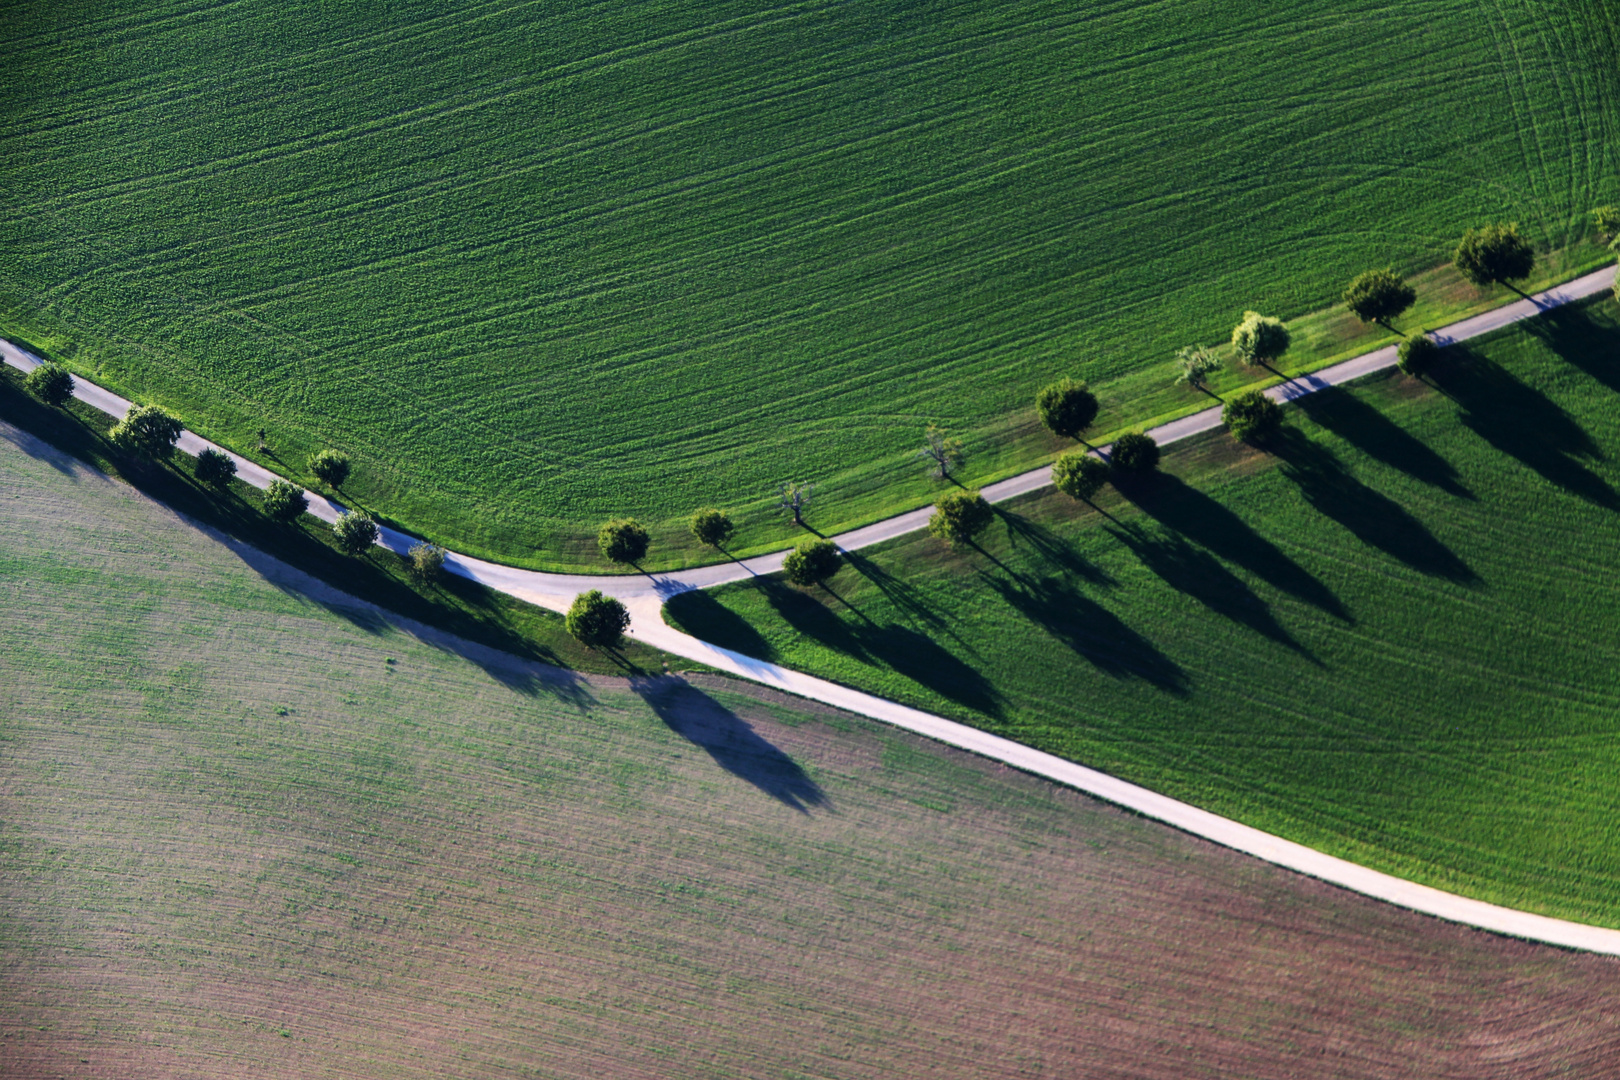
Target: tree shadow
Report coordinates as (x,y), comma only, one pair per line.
(924,661)
(904,597)
(1380,438)
(812,618)
(1050,547)
(1205,522)
(1580,341)
(1093,632)
(1524,423)
(1198,574)
(701,615)
(730,740)
(1374,518)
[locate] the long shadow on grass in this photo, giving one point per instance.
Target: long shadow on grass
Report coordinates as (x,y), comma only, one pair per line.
(1205,522)
(927,663)
(727,738)
(1198,574)
(1581,341)
(1093,632)
(1374,518)
(1049,547)
(1379,437)
(701,615)
(1524,423)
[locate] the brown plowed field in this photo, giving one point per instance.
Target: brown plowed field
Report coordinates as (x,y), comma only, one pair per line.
(237,841)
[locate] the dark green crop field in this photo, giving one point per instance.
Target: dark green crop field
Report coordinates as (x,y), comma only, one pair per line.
(537,264)
(1396,640)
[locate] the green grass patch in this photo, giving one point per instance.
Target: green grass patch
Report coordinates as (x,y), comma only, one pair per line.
(454,604)
(537,265)
(1394,639)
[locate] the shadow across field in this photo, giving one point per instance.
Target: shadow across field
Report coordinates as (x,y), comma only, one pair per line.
(1376,435)
(1523,422)
(1374,518)
(1580,341)
(730,740)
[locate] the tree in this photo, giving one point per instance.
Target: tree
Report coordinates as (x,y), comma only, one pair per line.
(1260,340)
(355,532)
(1134,454)
(1495,254)
(1416,355)
(1067,407)
(597,621)
(712,527)
(812,561)
(1379,296)
(945,453)
(623,540)
(214,468)
(794,498)
(1196,365)
(331,467)
(51,383)
(283,501)
(425,562)
(960,516)
(1607,220)
(1079,475)
(1252,416)
(148,430)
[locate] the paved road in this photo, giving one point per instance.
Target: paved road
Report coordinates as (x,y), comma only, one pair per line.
(644,596)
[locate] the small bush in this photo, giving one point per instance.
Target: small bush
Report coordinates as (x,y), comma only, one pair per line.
(425,562)
(1079,475)
(1067,407)
(331,467)
(812,561)
(356,533)
(51,383)
(148,430)
(597,621)
(712,527)
(623,540)
(214,468)
(960,516)
(1416,355)
(1379,295)
(1260,339)
(1252,416)
(284,501)
(1494,254)
(1134,454)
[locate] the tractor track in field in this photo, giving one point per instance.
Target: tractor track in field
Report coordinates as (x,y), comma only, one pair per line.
(644,595)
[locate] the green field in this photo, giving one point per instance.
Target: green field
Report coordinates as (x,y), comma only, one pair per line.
(1394,641)
(537,264)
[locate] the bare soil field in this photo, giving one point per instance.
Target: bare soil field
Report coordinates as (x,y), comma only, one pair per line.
(248,827)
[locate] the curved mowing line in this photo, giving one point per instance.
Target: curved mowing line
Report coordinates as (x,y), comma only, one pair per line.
(645,594)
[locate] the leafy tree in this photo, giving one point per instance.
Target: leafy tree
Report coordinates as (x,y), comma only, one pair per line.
(945,453)
(1379,296)
(214,468)
(812,561)
(51,383)
(425,562)
(960,516)
(1067,407)
(1495,254)
(1079,475)
(1260,340)
(794,498)
(623,540)
(1252,416)
(712,527)
(1416,355)
(355,532)
(148,430)
(1196,365)
(331,467)
(597,621)
(1607,220)
(1134,454)
(284,501)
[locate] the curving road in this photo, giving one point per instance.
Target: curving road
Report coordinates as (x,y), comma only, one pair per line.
(645,594)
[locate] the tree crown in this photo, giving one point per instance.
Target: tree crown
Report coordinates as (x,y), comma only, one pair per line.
(148,429)
(960,516)
(1134,453)
(331,467)
(712,526)
(51,383)
(1079,475)
(284,501)
(355,532)
(1251,416)
(1195,365)
(596,621)
(623,540)
(1067,407)
(812,561)
(1495,253)
(214,468)
(1417,354)
(426,561)
(1379,295)
(1260,339)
